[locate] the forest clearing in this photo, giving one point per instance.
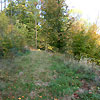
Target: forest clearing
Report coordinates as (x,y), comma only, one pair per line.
(39,75)
(47,52)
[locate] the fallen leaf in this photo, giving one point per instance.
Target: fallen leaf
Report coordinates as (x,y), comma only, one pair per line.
(22,96)
(13,97)
(55,99)
(40,96)
(19,98)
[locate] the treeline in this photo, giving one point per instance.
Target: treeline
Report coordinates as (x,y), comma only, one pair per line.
(46,25)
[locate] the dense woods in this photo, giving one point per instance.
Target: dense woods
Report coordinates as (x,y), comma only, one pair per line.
(47,25)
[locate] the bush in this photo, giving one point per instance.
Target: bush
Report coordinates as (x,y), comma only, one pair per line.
(13,40)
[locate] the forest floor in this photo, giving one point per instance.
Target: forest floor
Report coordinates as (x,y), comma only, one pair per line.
(46,76)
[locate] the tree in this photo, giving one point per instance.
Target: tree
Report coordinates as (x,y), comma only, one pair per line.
(4,21)
(79,45)
(5,3)
(53,13)
(32,7)
(84,40)
(1,5)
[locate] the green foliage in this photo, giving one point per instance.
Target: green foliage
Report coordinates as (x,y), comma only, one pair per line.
(48,25)
(13,38)
(4,21)
(87,96)
(84,41)
(79,45)
(53,13)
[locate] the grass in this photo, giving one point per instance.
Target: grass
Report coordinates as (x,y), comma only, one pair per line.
(44,76)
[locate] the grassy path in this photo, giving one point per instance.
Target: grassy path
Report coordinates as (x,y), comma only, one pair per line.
(43,76)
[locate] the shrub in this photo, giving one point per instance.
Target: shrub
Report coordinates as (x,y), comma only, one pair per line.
(13,40)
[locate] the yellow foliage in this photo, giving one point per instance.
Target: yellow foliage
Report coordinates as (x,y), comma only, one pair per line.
(98,42)
(50,47)
(10,27)
(7,8)
(23,5)
(31,13)
(75,11)
(69,52)
(19,98)
(55,99)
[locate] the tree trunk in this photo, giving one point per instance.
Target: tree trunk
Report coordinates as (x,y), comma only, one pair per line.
(46,47)
(36,32)
(11,8)
(1,5)
(5,4)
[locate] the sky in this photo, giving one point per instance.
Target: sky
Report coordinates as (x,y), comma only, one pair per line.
(90,9)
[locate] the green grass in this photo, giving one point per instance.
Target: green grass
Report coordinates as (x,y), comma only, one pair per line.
(43,76)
